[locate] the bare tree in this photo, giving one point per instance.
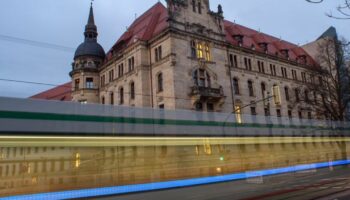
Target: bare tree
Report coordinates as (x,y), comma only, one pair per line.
(343,9)
(327,90)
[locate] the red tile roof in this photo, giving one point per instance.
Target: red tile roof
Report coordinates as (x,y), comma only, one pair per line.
(275,46)
(144,28)
(59,93)
(154,21)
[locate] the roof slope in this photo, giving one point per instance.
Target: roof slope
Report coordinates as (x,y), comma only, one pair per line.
(331,32)
(144,28)
(59,93)
(253,38)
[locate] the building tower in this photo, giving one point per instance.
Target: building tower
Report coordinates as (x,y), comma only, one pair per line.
(88,57)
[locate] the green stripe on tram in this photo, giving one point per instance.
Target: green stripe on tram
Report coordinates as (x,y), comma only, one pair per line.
(131,120)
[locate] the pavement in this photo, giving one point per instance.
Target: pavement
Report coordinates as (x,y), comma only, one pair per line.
(320,184)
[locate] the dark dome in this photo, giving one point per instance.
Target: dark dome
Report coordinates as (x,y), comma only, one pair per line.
(90,48)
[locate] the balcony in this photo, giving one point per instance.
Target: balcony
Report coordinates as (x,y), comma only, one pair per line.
(207,92)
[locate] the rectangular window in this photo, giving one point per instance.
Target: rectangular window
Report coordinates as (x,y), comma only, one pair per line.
(120,70)
(320,80)
(290,114)
(121,96)
(200,50)
(210,107)
(309,115)
(199,7)
(286,92)
(294,74)
(103,80)
(76,84)
(132,91)
(111,98)
(297,98)
(248,64)
(111,75)
(261,67)
(193,49)
(90,83)
(131,63)
(273,70)
(284,72)
(207,52)
(253,110)
(267,111)
(193,5)
(279,114)
(303,76)
(158,53)
(233,61)
(161,106)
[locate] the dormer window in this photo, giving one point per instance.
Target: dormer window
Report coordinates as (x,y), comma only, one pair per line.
(253,47)
(285,53)
(302,59)
(264,46)
(239,39)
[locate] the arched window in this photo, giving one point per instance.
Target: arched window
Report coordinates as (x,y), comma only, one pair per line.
(263,90)
(103,100)
(236,86)
(201,78)
(132,90)
(160,82)
(111,97)
(286,92)
(199,106)
(121,96)
(250,88)
(207,52)
(296,91)
(193,49)
(306,94)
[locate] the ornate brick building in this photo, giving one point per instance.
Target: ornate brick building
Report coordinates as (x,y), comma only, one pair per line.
(186,56)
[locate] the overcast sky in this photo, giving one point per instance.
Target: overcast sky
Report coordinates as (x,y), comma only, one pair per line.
(62,23)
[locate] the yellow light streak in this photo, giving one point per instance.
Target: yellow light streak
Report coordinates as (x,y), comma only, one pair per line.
(30,141)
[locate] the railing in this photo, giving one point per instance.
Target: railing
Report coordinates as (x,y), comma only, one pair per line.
(207,91)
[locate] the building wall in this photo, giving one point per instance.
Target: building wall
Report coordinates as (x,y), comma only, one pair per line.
(177,66)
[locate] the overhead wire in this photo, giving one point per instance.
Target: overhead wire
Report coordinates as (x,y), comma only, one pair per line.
(36,43)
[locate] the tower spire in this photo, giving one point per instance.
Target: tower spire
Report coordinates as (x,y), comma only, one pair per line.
(90,28)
